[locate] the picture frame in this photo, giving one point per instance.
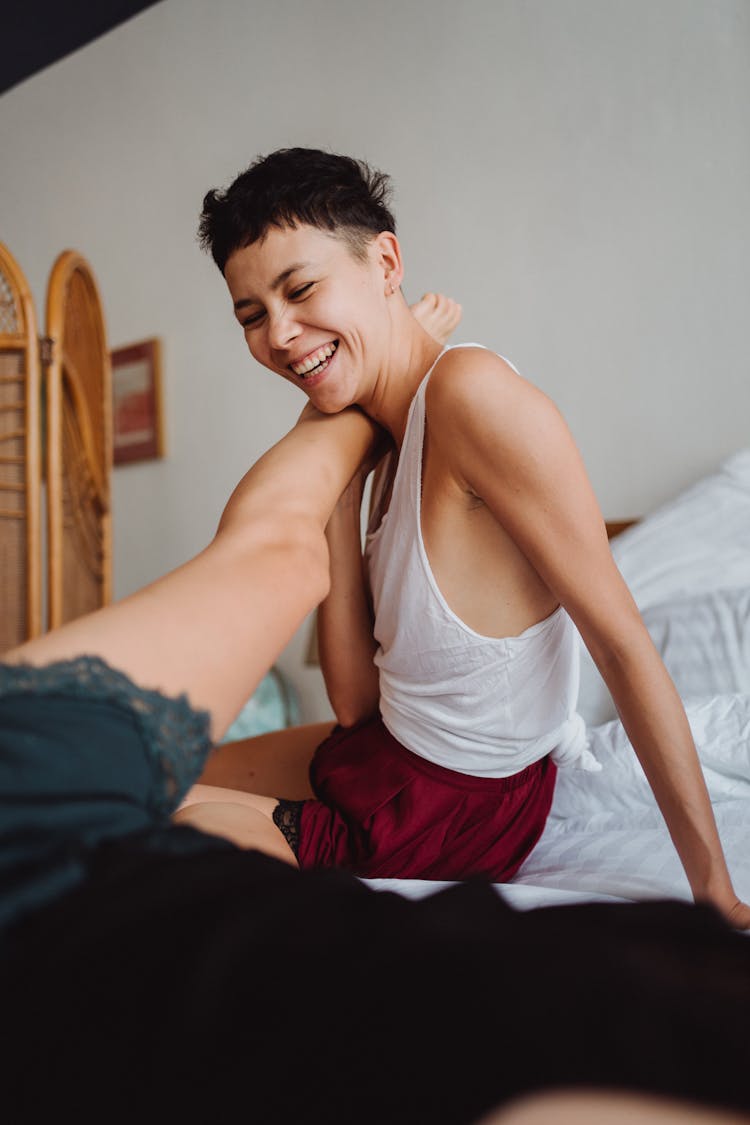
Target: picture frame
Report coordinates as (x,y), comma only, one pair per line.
(137,427)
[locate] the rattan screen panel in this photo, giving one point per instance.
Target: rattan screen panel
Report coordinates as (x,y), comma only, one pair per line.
(20,460)
(79,444)
(10,310)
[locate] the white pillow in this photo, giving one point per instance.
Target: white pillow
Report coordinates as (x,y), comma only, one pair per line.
(704,642)
(693,545)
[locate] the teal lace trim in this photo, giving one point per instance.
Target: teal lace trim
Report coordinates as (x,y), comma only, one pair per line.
(175,735)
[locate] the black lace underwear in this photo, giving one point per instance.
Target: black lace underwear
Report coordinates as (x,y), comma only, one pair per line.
(286,817)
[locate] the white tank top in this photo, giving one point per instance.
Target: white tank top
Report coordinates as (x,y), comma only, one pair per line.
(479,705)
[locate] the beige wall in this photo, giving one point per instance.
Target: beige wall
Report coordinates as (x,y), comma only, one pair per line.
(576,172)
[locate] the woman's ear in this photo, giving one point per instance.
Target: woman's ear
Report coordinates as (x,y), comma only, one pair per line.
(388,257)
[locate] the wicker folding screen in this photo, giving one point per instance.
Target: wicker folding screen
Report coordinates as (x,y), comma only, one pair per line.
(79,444)
(20,460)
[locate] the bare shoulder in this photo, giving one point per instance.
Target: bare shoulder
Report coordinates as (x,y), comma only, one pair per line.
(503,440)
(467,361)
(474,391)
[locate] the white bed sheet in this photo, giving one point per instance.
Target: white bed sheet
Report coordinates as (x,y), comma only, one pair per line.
(605,839)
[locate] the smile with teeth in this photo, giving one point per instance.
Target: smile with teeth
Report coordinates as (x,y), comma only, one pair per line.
(315,362)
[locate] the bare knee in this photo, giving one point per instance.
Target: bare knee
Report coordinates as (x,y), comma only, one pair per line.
(292,543)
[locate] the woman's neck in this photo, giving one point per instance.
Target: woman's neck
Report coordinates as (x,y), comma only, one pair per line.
(412,355)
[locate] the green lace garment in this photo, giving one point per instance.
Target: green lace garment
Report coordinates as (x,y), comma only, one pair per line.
(86,756)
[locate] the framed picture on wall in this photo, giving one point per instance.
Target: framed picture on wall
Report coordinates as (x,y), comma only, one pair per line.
(137,431)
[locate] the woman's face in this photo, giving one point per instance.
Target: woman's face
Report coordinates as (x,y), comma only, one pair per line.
(312,312)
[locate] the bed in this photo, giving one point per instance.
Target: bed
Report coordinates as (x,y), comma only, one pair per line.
(688,567)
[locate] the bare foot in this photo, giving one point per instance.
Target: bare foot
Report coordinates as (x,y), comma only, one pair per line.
(437,314)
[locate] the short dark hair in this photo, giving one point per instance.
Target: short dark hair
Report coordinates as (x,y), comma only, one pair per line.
(293,186)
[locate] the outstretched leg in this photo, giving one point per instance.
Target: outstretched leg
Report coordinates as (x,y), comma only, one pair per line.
(208,630)
(212,627)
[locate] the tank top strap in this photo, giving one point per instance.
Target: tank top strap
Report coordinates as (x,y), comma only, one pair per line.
(410,458)
(412,447)
(406,486)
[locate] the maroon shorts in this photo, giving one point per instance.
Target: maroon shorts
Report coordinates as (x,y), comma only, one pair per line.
(384,812)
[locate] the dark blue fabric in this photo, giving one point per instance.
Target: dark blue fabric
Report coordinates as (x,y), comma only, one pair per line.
(85,757)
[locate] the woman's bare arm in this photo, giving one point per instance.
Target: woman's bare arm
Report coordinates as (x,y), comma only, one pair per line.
(515,452)
(346,645)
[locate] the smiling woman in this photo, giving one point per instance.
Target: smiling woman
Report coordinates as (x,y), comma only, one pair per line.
(450,646)
(303,297)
